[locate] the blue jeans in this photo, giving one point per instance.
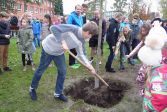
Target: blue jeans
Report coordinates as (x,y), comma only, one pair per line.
(44,63)
(135,42)
(37,40)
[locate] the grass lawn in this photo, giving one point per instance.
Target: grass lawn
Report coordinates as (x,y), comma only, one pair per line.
(14,86)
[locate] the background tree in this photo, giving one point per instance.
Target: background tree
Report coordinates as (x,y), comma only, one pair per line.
(134,6)
(163,5)
(58,7)
(145,11)
(119,6)
(92,6)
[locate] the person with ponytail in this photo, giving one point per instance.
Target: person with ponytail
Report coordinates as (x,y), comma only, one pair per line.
(47,22)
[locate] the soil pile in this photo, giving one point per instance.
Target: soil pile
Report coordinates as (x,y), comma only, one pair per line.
(102,96)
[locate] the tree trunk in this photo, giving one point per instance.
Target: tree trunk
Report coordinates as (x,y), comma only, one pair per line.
(99,43)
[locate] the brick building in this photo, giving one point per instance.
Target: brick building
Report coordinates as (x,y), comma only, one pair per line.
(38,8)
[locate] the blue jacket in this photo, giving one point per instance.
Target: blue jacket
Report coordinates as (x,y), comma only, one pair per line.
(135,30)
(122,25)
(74,19)
(4,30)
(36,27)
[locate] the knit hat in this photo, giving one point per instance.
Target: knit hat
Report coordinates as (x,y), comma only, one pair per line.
(156,19)
(150,53)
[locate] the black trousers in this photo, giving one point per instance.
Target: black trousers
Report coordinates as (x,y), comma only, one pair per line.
(71,59)
(27,58)
(110,57)
(23,59)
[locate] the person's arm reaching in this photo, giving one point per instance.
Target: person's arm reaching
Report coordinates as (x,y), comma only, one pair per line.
(135,50)
(83,58)
(57,30)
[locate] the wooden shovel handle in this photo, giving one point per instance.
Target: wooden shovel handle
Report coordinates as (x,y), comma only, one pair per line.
(87,67)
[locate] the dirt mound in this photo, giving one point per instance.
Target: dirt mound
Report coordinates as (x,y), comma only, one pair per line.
(102,96)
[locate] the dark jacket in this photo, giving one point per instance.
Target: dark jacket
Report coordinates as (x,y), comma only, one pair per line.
(84,19)
(112,32)
(103,26)
(4,30)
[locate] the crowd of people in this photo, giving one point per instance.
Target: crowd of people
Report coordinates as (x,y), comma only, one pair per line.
(123,36)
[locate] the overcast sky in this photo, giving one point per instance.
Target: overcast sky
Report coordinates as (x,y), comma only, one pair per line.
(69,5)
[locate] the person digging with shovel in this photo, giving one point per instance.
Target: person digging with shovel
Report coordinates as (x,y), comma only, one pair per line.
(63,37)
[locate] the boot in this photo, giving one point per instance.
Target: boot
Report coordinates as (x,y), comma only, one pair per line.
(33,67)
(122,68)
(131,62)
(24,69)
(109,69)
(121,65)
(1,71)
(7,69)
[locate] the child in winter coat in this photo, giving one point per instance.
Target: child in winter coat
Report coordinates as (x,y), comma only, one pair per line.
(36,27)
(125,44)
(151,54)
(25,45)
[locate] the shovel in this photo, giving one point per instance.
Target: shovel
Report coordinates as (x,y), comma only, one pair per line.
(100,78)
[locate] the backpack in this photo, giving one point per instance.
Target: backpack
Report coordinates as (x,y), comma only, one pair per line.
(14,21)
